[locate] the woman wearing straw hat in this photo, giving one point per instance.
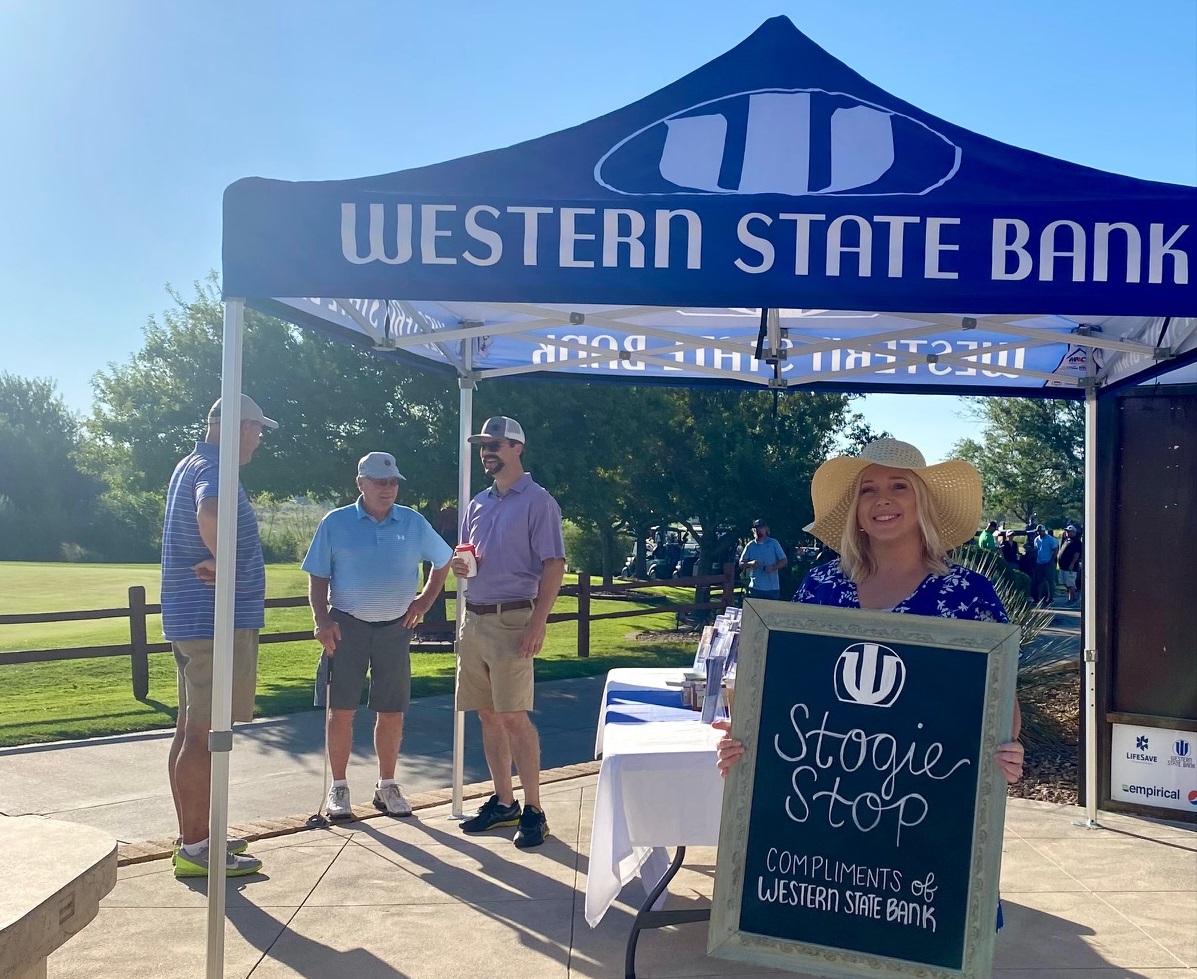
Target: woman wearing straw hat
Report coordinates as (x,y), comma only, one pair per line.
(893,520)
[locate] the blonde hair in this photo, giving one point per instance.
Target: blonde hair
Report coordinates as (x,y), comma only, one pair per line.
(856,552)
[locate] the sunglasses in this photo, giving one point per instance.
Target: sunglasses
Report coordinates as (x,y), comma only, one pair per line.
(490,446)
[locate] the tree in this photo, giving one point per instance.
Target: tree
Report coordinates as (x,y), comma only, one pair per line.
(732,458)
(44,497)
(630,458)
(334,403)
(1031,459)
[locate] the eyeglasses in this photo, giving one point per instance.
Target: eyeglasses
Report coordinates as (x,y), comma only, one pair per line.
(490,446)
(388,483)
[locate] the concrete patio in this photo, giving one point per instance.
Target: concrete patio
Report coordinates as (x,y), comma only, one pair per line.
(383,899)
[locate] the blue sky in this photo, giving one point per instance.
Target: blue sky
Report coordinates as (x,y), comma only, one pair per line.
(122,122)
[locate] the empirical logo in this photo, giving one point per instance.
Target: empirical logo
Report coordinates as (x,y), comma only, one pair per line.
(1142,742)
(796,142)
(870,674)
(1153,792)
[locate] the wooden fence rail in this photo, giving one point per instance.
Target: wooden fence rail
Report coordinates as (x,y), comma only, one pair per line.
(138,611)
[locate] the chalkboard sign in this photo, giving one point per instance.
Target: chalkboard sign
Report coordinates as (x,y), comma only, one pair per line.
(861,832)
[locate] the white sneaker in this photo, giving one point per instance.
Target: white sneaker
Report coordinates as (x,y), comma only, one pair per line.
(338,805)
(389,799)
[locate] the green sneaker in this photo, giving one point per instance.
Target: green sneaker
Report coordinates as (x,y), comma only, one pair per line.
(235,864)
(234,845)
(492,815)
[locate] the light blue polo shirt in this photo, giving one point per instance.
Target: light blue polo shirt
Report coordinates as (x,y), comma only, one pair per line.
(374,565)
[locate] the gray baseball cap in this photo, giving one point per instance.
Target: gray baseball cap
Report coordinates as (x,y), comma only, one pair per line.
(250,412)
(378,465)
(499,427)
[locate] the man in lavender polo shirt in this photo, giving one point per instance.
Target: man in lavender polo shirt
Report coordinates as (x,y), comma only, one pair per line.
(515,527)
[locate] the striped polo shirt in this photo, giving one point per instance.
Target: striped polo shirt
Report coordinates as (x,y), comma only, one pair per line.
(188,604)
(373,566)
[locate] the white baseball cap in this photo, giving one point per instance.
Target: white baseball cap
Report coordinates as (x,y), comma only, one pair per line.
(498,427)
(250,412)
(378,465)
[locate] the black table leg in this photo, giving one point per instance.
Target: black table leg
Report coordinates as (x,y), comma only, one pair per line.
(646,917)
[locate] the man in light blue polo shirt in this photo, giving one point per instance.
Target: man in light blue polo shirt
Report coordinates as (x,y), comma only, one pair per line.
(364,573)
(762,558)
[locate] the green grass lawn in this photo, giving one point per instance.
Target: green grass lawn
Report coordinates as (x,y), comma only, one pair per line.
(86,698)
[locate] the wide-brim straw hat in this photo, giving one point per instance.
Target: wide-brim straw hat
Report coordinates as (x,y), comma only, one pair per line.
(954,488)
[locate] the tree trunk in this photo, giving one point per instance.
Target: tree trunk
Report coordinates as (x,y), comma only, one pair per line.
(607,539)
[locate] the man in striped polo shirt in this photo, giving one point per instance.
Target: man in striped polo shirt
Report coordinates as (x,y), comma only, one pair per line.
(363,574)
(188,617)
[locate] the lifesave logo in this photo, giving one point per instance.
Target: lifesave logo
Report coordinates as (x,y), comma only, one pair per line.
(1142,743)
(869,674)
(796,142)
(1152,791)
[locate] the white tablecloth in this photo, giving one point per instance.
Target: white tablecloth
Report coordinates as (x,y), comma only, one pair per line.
(658,787)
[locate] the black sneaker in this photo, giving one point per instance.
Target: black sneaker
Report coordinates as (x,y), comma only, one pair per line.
(534,827)
(491,815)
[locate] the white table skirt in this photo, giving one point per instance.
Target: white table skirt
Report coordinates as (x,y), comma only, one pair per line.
(658,787)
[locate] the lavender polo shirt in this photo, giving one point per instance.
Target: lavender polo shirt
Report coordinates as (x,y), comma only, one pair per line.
(514,535)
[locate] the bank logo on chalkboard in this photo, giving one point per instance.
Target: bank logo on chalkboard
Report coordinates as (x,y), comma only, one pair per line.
(870,674)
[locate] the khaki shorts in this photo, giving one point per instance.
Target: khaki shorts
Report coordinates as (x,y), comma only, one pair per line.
(1068,579)
(193,657)
(491,674)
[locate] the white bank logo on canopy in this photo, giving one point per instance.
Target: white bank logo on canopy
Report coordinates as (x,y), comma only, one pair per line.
(796,142)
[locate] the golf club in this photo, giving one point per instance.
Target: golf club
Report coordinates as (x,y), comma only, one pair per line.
(319,820)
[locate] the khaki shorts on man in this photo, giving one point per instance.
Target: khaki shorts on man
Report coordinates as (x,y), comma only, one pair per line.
(491,673)
(194,658)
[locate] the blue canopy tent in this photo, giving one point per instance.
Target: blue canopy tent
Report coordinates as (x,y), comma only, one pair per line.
(772,219)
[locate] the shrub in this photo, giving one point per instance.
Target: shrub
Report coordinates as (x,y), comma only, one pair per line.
(1041,659)
(125,527)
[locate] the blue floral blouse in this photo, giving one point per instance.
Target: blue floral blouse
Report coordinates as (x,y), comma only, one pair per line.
(959,594)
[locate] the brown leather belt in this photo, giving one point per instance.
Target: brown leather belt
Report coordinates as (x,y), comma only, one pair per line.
(500,607)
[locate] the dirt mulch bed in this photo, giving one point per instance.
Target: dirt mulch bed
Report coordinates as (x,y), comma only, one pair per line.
(1050,772)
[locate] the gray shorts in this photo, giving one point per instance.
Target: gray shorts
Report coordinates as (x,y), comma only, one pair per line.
(383,649)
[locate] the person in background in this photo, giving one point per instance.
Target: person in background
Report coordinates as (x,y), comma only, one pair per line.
(363,570)
(762,558)
(987,541)
(1008,548)
(1043,578)
(1072,552)
(188,621)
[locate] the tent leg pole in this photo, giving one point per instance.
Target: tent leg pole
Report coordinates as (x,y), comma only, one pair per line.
(1089,613)
(220,740)
(465,459)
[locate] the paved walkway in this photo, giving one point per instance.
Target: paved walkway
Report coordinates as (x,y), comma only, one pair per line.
(119,784)
(416,899)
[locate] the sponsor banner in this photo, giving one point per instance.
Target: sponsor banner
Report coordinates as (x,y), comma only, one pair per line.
(1154,766)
